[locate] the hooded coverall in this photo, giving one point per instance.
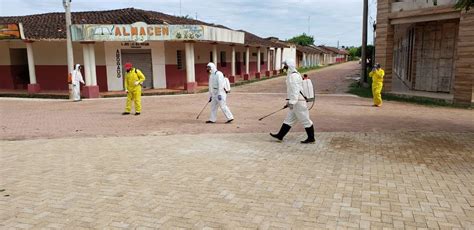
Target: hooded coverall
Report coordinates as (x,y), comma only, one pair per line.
(217,93)
(377,85)
(134,90)
(76,79)
(294,85)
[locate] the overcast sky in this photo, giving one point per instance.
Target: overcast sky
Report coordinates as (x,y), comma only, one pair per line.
(329,20)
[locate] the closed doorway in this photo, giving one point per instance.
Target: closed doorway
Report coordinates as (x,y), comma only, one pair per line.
(141,59)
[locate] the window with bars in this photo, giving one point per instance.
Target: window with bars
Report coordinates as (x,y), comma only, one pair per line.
(223,59)
(179,59)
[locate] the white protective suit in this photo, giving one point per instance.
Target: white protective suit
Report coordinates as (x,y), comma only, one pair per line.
(76,79)
(216,89)
(294,85)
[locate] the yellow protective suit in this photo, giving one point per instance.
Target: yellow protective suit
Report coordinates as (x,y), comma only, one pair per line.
(134,90)
(377,85)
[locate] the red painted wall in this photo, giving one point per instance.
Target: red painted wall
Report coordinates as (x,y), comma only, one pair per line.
(6,79)
(101,72)
(226,70)
(202,77)
(52,77)
(175,78)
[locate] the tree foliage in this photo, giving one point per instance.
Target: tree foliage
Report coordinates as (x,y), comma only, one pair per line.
(464,4)
(303,39)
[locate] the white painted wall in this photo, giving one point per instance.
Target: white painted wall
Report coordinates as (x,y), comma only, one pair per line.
(52,52)
(114,81)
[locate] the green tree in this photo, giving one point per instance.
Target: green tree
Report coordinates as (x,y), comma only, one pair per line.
(464,4)
(353,53)
(368,51)
(303,40)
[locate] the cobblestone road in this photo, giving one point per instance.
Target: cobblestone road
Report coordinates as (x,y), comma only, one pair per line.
(82,165)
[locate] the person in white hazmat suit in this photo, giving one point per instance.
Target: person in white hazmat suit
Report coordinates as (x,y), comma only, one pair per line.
(217,94)
(298,110)
(76,76)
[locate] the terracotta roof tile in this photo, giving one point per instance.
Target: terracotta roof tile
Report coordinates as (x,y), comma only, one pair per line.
(256,41)
(53,25)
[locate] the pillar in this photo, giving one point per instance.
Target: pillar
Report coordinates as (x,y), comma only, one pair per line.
(191,84)
(91,90)
(247,63)
(232,65)
(464,72)
(214,53)
(33,87)
(384,42)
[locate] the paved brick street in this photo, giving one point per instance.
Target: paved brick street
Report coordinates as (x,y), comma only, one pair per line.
(67,165)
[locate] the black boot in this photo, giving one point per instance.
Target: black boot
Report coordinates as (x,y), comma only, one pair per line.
(310,132)
(283,131)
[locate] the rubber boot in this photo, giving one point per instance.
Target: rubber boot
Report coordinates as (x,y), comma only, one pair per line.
(283,131)
(310,132)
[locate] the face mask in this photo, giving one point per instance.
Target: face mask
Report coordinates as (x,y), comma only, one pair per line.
(209,70)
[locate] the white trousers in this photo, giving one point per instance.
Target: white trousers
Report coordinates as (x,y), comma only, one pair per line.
(299,113)
(215,103)
(76,92)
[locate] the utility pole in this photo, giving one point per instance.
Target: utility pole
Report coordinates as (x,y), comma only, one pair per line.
(374,26)
(364,42)
(70,56)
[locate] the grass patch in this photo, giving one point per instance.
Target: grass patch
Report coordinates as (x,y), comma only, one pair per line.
(307,69)
(356,89)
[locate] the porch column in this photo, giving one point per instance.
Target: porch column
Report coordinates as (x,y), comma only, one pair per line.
(278,60)
(87,73)
(305,61)
(191,84)
(92,64)
(232,78)
(247,61)
(91,90)
(33,87)
(214,53)
(258,60)
(268,59)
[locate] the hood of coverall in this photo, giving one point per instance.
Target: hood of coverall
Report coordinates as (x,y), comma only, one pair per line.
(291,65)
(213,67)
(77,67)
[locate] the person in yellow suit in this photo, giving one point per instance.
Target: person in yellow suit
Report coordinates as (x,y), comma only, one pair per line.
(377,75)
(134,79)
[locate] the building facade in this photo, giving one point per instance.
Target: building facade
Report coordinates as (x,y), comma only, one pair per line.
(426,46)
(171,51)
